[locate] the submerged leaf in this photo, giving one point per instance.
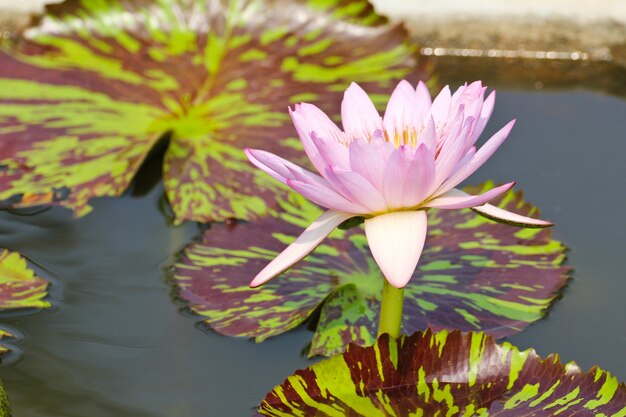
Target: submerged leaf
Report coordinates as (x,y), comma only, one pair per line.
(445,374)
(20,287)
(3,335)
(87,93)
(474,274)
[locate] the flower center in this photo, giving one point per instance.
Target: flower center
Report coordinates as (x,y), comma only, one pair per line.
(406,136)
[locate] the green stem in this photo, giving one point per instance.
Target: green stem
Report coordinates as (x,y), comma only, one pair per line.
(391,310)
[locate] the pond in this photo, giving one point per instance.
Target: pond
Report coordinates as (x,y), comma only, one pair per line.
(117,344)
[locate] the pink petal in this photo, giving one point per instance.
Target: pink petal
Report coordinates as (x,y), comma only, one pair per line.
(481,156)
(457,199)
(395,177)
(465,159)
(396,240)
(307,119)
(420,178)
(304,132)
(279,168)
(359,116)
(355,188)
(458,93)
(467,95)
(401,113)
(429,135)
(451,152)
(314,119)
(302,246)
(311,179)
(503,216)
(369,159)
(423,100)
(331,152)
(441,106)
(448,131)
(326,197)
(485,114)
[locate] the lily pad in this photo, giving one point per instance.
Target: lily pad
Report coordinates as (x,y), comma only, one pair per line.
(20,287)
(445,374)
(88,92)
(474,275)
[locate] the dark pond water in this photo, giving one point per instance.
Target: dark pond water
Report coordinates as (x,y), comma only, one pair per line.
(116,344)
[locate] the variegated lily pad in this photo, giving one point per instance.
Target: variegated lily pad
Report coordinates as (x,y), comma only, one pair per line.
(445,374)
(20,287)
(86,94)
(474,274)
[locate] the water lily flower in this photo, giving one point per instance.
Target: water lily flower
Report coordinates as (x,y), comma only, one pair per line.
(389,170)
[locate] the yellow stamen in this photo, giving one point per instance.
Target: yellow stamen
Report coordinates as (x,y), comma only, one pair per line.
(405,137)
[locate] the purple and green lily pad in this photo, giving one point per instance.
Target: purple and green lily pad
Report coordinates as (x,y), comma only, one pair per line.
(474,275)
(445,374)
(20,287)
(88,92)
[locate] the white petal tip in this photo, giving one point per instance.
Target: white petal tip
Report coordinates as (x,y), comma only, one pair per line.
(259,280)
(400,283)
(301,247)
(499,215)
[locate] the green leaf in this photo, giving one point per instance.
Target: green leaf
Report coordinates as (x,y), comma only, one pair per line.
(474,274)
(20,287)
(86,94)
(5,407)
(445,374)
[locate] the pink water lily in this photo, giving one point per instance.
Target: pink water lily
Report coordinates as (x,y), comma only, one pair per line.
(390,170)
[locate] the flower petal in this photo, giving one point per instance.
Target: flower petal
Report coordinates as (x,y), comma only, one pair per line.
(359,116)
(279,168)
(423,100)
(326,197)
(428,136)
(307,119)
(331,152)
(356,188)
(314,119)
(452,151)
(441,106)
(396,240)
(401,113)
(369,159)
(471,98)
(499,215)
(396,176)
(302,246)
(485,114)
(457,199)
(420,178)
(479,158)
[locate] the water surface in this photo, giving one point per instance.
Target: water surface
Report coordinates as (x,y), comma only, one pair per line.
(117,345)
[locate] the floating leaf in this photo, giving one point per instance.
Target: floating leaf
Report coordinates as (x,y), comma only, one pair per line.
(20,287)
(86,94)
(474,274)
(445,374)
